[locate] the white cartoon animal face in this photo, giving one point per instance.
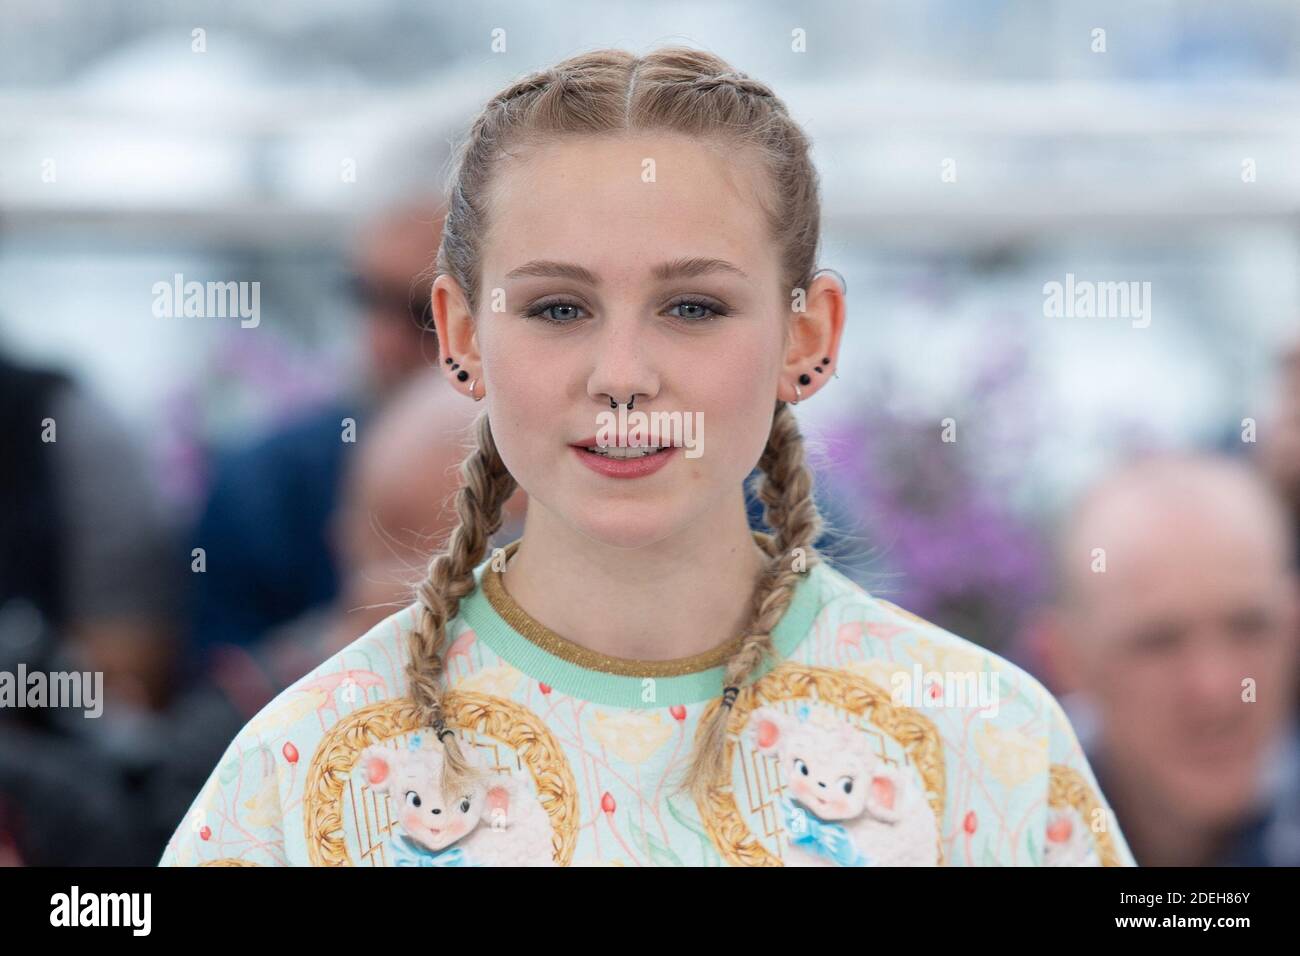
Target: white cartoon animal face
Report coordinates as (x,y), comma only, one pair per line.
(410,778)
(828,765)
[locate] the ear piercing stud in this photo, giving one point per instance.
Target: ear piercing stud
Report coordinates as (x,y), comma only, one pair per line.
(806,379)
(461,376)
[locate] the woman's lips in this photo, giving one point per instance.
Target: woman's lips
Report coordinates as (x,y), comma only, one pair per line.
(623,467)
(591,441)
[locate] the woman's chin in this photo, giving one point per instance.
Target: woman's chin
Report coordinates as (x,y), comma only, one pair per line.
(627,528)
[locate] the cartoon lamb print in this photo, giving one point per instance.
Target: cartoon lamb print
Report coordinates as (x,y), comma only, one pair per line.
(844,806)
(1068,841)
(500,822)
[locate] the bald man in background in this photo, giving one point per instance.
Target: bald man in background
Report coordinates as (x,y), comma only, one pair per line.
(1177,657)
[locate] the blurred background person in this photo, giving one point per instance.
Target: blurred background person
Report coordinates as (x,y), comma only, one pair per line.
(264,525)
(1179,655)
(394,512)
(85,545)
(86,584)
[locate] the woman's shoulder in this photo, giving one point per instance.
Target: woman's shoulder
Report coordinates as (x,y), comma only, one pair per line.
(848,601)
(368,670)
(986,716)
(899,647)
(240,810)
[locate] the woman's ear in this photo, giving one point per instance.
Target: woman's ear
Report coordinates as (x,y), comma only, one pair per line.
(457,336)
(814,327)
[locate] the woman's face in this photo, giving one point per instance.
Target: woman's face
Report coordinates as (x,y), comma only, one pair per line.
(709,342)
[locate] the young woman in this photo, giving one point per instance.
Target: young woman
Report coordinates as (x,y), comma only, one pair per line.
(639,678)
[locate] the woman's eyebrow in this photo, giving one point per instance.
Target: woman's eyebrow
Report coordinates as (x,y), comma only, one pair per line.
(684,268)
(691,266)
(547,268)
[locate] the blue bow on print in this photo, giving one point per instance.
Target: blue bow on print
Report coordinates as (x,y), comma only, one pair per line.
(810,832)
(403,851)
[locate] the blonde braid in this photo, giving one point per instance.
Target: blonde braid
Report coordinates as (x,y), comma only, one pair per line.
(485,487)
(789,509)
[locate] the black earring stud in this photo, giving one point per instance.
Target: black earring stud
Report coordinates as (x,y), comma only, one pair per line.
(462,374)
(805,379)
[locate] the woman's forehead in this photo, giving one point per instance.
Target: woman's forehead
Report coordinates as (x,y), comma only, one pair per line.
(625,198)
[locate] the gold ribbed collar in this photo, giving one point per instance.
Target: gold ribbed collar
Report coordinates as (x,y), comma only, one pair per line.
(494,590)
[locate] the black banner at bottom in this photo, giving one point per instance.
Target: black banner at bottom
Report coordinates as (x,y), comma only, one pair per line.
(245,906)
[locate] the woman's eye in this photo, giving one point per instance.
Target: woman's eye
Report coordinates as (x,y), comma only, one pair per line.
(696,310)
(692,311)
(560,308)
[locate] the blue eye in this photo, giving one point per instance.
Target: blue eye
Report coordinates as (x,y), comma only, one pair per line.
(705,311)
(539,311)
(708,310)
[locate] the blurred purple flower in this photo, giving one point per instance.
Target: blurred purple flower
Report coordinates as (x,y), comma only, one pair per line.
(954,550)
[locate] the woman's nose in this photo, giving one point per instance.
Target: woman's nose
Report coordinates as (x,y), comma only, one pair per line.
(623,370)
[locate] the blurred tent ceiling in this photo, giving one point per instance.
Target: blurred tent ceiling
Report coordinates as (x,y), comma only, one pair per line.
(246,141)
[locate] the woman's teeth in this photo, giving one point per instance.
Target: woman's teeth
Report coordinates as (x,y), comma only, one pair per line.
(614,451)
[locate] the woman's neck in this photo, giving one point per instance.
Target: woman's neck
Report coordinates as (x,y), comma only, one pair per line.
(681,596)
